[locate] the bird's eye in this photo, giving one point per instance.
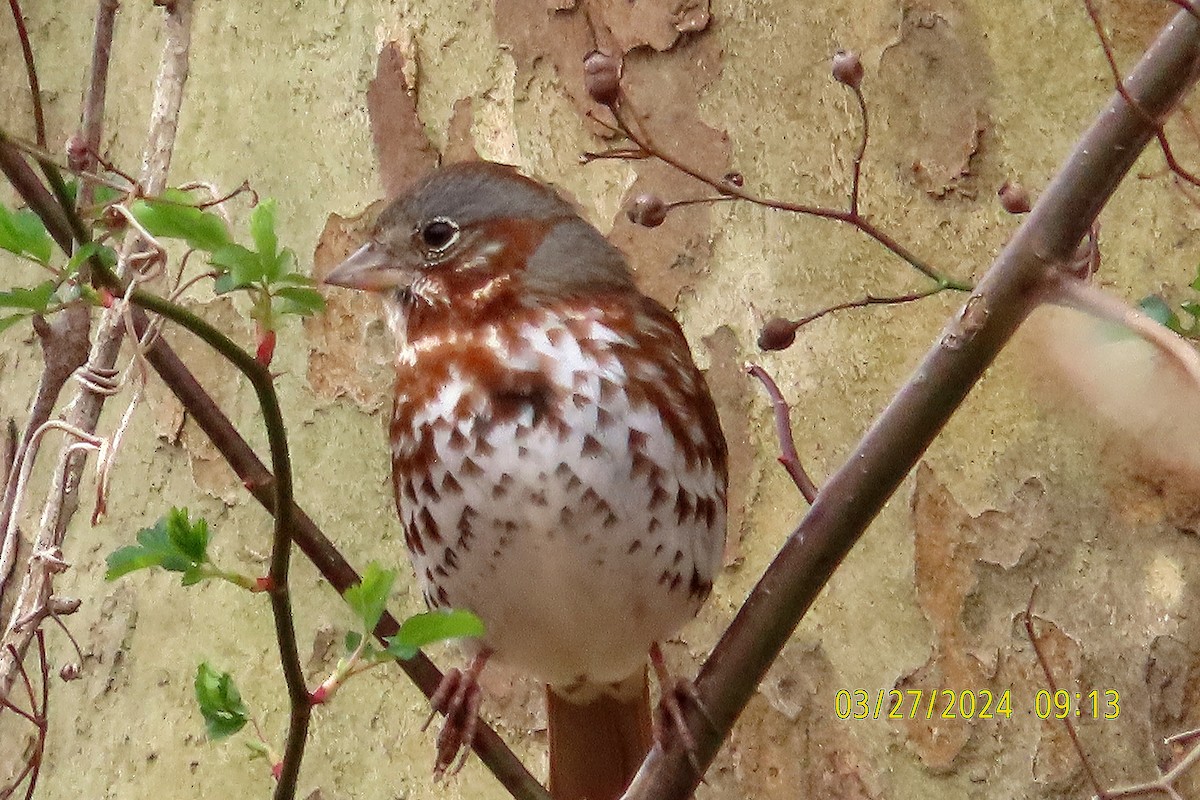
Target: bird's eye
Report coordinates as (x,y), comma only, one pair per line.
(439,233)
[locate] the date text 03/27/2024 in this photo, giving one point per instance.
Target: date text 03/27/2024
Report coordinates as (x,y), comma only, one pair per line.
(856,704)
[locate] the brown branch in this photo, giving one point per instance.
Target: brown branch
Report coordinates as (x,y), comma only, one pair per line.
(627,121)
(39,117)
(83,151)
(861,152)
(854,495)
(779,333)
(1072,733)
(200,406)
(1159,132)
(788,456)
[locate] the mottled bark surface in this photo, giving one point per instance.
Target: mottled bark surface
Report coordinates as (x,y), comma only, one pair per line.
(1024,488)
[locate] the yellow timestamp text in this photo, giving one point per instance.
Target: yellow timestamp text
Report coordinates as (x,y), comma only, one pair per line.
(930,704)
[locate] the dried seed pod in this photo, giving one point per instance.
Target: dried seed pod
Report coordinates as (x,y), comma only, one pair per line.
(602,77)
(1014,198)
(777,334)
(847,68)
(647,210)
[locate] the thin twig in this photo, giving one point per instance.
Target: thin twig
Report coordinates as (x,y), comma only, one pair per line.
(1159,132)
(788,456)
(870,300)
(39,117)
(861,152)
(627,120)
(1072,733)
(91,125)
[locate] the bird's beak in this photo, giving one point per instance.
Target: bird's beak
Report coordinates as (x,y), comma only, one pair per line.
(371,269)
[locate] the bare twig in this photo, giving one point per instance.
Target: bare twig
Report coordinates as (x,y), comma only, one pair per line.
(861,152)
(854,495)
(1072,733)
(39,117)
(628,124)
(82,152)
(786,329)
(1160,133)
(36,716)
(788,456)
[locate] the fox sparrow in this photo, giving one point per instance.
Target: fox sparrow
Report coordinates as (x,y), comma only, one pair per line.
(557,461)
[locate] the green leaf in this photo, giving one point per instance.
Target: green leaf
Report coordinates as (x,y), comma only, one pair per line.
(1157,309)
(298,300)
(175,543)
(262,230)
(106,254)
(369,596)
(22,233)
(242,267)
(424,629)
(36,299)
(296,279)
(175,218)
(104,194)
(8,322)
(284,267)
(220,702)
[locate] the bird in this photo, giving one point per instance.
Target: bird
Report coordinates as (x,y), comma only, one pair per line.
(558,463)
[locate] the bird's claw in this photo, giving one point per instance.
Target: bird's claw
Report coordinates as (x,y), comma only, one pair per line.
(458,697)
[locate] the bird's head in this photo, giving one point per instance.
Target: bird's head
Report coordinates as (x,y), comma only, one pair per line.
(473,233)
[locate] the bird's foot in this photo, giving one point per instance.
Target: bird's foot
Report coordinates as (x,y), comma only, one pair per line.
(669,721)
(457,697)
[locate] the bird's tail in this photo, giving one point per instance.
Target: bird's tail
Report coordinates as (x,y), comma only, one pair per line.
(597,746)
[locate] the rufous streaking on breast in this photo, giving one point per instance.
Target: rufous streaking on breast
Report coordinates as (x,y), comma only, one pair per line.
(557,460)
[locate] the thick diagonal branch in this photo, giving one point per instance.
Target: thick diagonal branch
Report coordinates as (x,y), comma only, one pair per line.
(854,495)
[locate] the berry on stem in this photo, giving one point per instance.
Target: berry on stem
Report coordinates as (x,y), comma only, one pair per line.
(602,77)
(647,210)
(847,68)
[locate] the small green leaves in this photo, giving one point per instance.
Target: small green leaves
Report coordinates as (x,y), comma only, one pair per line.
(31,301)
(300,300)
(175,543)
(174,216)
(1161,312)
(22,233)
(424,629)
(220,702)
(262,230)
(369,597)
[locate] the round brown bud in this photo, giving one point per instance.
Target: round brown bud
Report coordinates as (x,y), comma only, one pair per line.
(847,68)
(647,210)
(602,77)
(777,334)
(1014,198)
(70,672)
